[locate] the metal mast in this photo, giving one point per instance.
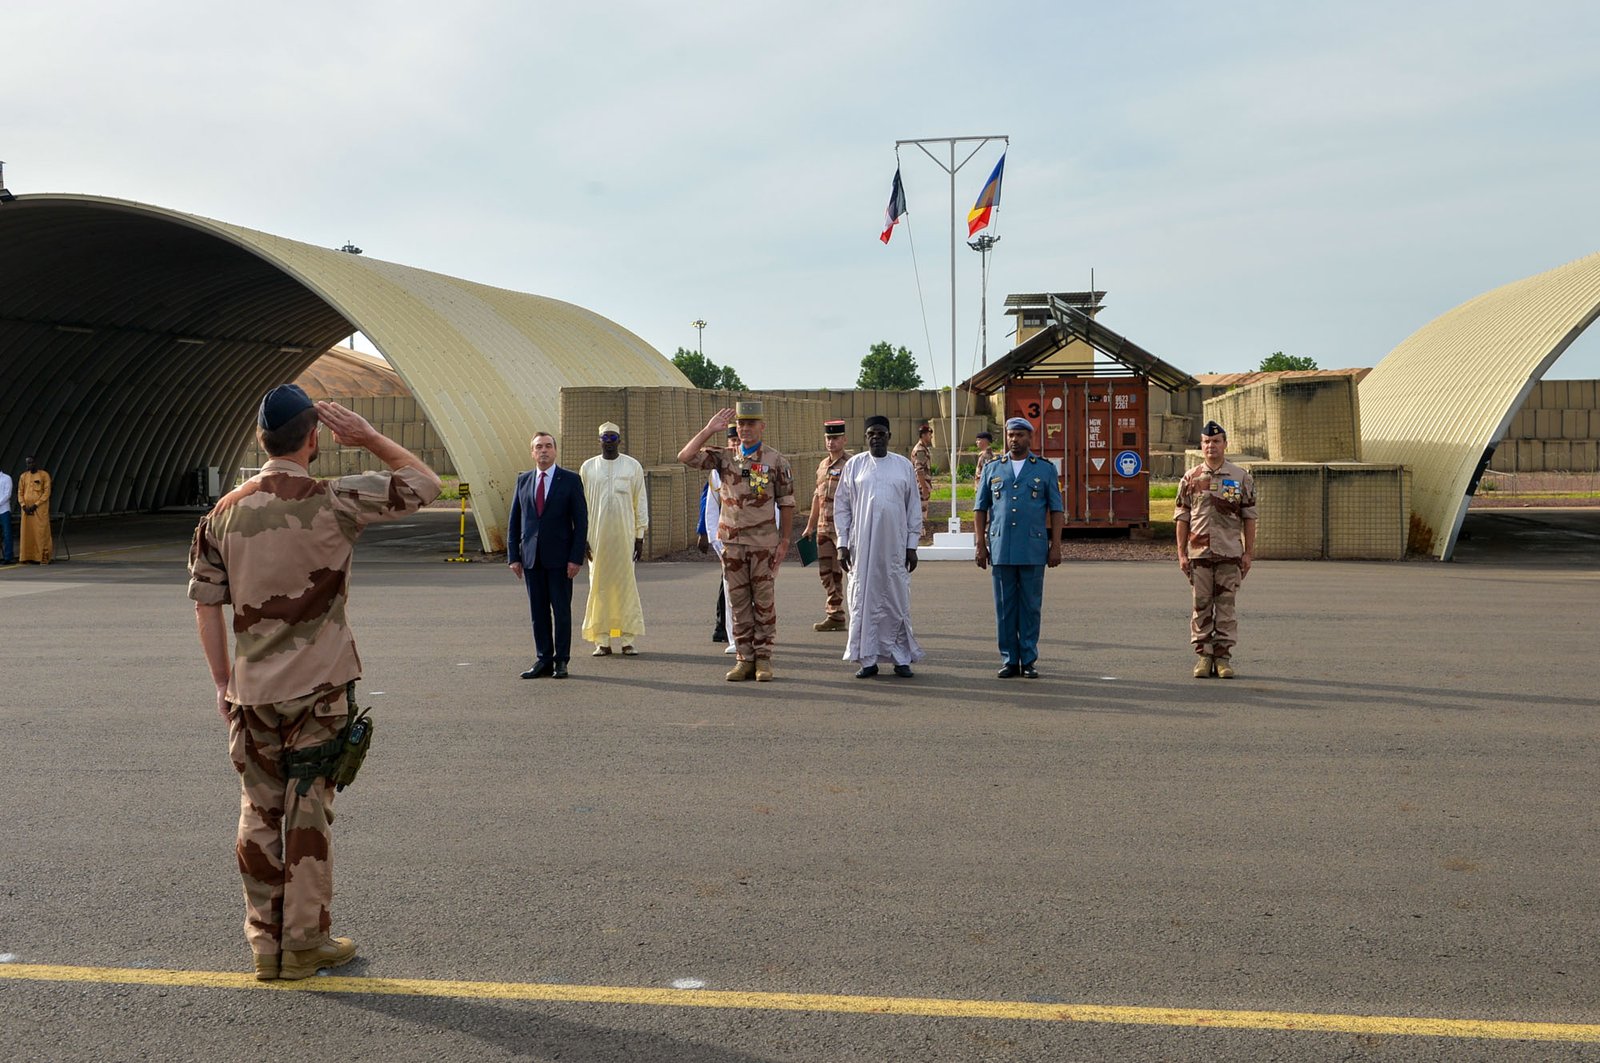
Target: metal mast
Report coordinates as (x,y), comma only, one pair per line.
(952,168)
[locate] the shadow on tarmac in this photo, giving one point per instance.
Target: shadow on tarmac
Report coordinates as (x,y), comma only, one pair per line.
(519,1033)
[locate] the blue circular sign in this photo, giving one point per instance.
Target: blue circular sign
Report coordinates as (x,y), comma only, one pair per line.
(1129,463)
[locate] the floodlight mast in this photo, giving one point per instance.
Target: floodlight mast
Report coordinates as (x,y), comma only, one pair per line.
(952,168)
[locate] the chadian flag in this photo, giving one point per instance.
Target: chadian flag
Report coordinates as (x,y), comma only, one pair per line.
(988,199)
(897,207)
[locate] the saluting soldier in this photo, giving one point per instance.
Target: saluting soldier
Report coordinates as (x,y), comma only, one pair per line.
(278,550)
(1216,518)
(820,527)
(755,481)
(985,444)
(922,462)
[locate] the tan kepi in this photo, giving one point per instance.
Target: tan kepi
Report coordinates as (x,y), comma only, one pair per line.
(748,411)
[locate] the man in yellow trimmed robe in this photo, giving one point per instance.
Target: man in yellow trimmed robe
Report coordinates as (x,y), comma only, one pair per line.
(33,495)
(619,513)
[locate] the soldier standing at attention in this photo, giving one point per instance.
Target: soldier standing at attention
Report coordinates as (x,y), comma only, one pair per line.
(986,454)
(1216,518)
(819,526)
(278,549)
(755,481)
(922,461)
(1017,521)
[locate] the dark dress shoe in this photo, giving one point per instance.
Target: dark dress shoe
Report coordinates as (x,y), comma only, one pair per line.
(539,670)
(903,671)
(719,635)
(561,670)
(867,671)
(1030,672)
(1006,671)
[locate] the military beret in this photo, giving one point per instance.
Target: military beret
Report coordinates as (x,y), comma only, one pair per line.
(281,405)
(877,419)
(1212,428)
(924,427)
(833,428)
(985,435)
(1019,422)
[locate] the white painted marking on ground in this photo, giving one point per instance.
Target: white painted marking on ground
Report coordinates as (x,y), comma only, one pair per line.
(688,983)
(1109,678)
(375,693)
(21,587)
(463,664)
(9,957)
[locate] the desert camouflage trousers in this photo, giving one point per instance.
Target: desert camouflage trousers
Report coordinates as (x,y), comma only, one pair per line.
(924,490)
(1213,629)
(831,574)
(752,599)
(285,845)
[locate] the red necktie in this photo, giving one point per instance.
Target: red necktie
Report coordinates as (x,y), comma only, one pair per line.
(538,497)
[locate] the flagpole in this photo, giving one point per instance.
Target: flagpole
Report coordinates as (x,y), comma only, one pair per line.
(952,169)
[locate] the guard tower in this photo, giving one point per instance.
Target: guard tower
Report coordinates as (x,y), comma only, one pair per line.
(1086,390)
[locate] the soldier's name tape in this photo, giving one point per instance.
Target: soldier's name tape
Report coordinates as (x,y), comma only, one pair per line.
(928,1007)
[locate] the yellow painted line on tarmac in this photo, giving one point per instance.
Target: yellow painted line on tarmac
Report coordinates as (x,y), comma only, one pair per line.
(929,1007)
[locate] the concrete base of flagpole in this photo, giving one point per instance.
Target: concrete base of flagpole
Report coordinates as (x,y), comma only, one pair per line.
(949,546)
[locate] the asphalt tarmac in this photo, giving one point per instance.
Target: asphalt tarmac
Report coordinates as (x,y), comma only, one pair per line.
(1390,814)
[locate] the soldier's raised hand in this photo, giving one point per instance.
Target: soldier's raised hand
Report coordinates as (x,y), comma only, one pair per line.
(349,428)
(720,420)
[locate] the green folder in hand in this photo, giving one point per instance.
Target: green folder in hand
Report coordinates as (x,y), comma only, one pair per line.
(808,550)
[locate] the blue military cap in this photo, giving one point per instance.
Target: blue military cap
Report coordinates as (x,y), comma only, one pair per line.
(1212,428)
(1019,422)
(281,405)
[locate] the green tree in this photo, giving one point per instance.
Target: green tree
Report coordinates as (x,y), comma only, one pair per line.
(887,368)
(704,373)
(1277,361)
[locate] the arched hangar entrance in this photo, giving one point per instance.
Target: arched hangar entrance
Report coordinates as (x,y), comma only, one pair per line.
(1441,400)
(135,343)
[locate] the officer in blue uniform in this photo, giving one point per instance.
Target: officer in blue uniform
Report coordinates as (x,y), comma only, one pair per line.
(1018,519)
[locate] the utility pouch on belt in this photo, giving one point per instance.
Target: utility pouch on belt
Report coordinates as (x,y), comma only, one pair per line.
(338,759)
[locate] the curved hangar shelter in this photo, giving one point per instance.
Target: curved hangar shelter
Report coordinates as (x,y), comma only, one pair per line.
(136,342)
(1441,400)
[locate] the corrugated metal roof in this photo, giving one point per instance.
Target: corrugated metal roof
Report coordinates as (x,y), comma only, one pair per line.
(1239,380)
(1069,324)
(99,296)
(1440,399)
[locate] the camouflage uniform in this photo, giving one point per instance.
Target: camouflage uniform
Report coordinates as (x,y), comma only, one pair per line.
(828,569)
(1215,505)
(985,456)
(922,461)
(751,487)
(278,548)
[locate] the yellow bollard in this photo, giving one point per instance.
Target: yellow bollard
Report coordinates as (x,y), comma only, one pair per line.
(461,548)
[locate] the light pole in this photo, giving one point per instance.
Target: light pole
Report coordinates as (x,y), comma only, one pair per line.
(983,245)
(699,335)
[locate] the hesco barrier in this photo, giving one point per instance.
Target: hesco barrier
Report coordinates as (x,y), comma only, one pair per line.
(657,422)
(1292,419)
(1334,510)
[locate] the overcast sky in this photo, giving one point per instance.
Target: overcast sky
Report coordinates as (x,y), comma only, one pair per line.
(1321,179)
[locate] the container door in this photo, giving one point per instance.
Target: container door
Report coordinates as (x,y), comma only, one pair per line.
(1130,450)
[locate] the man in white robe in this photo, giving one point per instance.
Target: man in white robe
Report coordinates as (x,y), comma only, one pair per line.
(877,512)
(619,514)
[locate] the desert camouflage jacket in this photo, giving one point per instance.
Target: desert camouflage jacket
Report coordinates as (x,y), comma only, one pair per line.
(278,549)
(751,489)
(1216,505)
(828,470)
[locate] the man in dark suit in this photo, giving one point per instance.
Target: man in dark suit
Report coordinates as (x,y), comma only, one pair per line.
(545,540)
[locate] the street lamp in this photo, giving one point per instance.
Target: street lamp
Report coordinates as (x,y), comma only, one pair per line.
(983,245)
(700,332)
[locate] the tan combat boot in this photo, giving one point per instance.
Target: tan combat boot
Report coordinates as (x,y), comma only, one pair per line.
(742,671)
(830,624)
(763,669)
(304,963)
(1224,668)
(266,966)
(1202,666)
